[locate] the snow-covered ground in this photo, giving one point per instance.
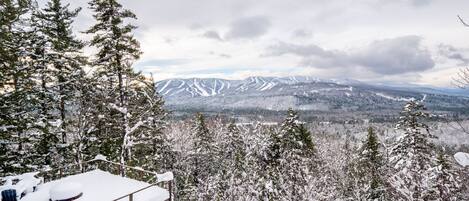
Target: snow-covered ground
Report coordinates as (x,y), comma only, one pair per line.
(462,158)
(99,185)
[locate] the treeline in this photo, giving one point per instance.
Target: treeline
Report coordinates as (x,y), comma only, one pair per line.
(219,160)
(58,107)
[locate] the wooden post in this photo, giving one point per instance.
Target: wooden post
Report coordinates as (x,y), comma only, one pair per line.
(170,189)
(131,197)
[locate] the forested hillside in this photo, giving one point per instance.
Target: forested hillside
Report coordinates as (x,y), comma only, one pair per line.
(59,106)
(302,93)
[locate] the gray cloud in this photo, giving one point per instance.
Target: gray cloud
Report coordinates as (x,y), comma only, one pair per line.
(195,26)
(395,56)
(302,33)
(420,2)
(282,48)
(312,54)
(212,35)
(248,27)
(453,53)
(330,22)
(389,56)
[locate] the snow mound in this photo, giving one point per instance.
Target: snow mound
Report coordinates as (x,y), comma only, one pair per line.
(26,183)
(100,157)
(462,158)
(168,176)
(65,191)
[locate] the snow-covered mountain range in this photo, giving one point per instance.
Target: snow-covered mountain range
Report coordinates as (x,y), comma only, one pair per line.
(303,93)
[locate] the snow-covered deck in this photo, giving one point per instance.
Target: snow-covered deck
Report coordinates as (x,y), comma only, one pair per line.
(102,186)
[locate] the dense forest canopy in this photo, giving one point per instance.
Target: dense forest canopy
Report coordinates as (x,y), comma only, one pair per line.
(54,111)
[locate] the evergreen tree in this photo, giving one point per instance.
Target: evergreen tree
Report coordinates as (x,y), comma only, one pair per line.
(152,147)
(61,72)
(120,87)
(369,169)
(85,140)
(63,55)
(204,159)
(17,97)
(292,159)
(182,166)
(45,145)
(258,162)
(443,180)
(272,177)
(413,153)
(185,188)
(232,170)
(349,183)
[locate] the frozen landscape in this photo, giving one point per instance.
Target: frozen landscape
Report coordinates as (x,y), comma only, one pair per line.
(153,100)
(319,96)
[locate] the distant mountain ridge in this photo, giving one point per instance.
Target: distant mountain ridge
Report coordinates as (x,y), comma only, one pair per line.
(214,86)
(301,92)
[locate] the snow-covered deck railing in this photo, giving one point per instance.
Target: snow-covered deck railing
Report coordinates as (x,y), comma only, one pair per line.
(161,180)
(166,177)
(130,196)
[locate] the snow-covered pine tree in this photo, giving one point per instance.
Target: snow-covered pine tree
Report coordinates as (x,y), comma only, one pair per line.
(292,159)
(120,85)
(369,169)
(412,154)
(182,146)
(349,181)
(8,15)
(152,147)
(63,55)
(44,140)
(85,143)
(232,170)
(463,173)
(64,64)
(321,180)
(204,158)
(258,162)
(17,97)
(273,175)
(443,181)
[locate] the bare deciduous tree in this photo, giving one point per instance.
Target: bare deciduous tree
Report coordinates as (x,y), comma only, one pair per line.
(461,80)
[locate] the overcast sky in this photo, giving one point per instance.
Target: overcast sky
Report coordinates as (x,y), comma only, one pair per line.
(414,41)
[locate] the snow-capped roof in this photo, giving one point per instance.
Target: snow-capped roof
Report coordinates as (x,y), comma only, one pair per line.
(101,185)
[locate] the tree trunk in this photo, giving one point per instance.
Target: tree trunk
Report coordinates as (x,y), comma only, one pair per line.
(62,108)
(124,125)
(16,110)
